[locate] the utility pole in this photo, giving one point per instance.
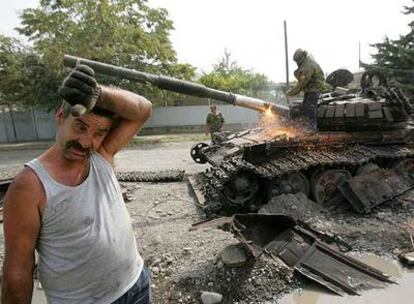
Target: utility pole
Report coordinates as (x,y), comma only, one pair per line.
(286,55)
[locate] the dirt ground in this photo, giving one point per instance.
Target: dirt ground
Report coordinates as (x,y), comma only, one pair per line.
(184,263)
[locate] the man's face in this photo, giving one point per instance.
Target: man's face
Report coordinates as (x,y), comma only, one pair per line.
(78,137)
(213,109)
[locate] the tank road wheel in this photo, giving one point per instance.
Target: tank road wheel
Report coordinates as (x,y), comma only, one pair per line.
(242,190)
(368,167)
(406,166)
(294,182)
(298,182)
(196,153)
(324,183)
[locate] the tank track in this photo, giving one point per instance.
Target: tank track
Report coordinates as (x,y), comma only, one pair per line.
(296,159)
(173,175)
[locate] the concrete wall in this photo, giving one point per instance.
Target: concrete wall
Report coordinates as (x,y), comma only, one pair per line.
(3,130)
(45,122)
(196,115)
(34,125)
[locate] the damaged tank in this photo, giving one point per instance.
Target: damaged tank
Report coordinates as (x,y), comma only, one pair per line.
(359,131)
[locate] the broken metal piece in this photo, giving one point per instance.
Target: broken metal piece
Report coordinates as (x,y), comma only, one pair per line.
(301,249)
(407,258)
(370,189)
(5,183)
(197,189)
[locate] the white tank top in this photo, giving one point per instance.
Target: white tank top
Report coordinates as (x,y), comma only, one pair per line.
(87,248)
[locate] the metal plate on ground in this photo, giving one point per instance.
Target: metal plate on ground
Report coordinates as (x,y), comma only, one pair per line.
(368,190)
(299,248)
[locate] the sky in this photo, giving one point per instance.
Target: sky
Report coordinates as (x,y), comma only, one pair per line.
(252,30)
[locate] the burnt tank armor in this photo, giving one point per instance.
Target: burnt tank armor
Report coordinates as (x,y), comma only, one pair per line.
(360,130)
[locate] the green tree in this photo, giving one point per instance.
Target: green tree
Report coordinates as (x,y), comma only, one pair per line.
(9,54)
(227,75)
(396,57)
(20,67)
(122,32)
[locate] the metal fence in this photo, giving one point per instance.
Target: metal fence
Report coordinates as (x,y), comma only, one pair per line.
(29,125)
(36,125)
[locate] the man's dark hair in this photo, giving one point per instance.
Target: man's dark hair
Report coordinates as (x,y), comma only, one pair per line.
(97,111)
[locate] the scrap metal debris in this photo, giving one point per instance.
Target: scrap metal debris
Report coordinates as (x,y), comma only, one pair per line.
(368,190)
(173,175)
(127,192)
(198,190)
(5,183)
(302,250)
(407,258)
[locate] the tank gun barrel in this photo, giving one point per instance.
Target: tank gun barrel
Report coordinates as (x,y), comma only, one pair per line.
(177,85)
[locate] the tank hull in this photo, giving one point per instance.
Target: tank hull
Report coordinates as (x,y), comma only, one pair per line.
(244,175)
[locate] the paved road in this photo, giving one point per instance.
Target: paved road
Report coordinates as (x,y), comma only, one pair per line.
(148,157)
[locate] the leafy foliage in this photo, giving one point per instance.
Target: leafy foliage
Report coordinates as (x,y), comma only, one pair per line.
(227,75)
(21,69)
(122,32)
(396,57)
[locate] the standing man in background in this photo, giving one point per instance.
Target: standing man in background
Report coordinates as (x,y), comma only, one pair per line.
(311,81)
(214,122)
(67,204)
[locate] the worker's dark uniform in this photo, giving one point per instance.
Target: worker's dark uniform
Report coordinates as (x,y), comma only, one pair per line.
(311,81)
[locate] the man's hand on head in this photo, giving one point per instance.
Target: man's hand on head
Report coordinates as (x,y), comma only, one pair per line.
(80,88)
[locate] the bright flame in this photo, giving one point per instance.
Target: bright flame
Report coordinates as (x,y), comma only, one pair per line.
(268,119)
(269,112)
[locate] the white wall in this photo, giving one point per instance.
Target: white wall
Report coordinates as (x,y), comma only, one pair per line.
(33,125)
(196,115)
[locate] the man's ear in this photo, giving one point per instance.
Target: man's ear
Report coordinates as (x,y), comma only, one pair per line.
(59,116)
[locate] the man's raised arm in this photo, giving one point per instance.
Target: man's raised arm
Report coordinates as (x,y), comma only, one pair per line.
(80,88)
(133,110)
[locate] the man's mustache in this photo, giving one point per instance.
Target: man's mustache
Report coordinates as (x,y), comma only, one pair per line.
(76,145)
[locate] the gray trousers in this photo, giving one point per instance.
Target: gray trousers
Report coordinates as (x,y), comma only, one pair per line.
(310,109)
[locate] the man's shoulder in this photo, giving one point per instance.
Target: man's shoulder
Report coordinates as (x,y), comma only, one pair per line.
(26,182)
(27,177)
(306,64)
(310,63)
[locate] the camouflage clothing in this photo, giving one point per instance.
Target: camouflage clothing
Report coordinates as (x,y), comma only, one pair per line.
(311,81)
(215,123)
(312,75)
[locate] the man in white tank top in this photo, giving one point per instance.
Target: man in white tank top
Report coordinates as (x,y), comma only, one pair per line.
(67,205)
